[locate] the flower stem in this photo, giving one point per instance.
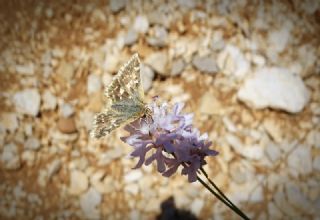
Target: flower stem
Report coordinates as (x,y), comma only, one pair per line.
(222,197)
(217,188)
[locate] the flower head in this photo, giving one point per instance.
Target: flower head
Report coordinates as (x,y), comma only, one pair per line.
(169,139)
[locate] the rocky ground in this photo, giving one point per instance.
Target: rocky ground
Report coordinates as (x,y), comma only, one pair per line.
(249,71)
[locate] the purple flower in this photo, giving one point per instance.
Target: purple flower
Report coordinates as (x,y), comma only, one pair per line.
(169,139)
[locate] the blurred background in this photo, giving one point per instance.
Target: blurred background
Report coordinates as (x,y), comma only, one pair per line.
(248,70)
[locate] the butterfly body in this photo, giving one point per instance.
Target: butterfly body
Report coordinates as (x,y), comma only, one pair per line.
(124,100)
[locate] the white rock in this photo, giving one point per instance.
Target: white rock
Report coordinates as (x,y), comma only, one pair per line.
(111,62)
(276,88)
(147,75)
(313,138)
(300,160)
(274,211)
(117,5)
(135,215)
(160,37)
(234,142)
(66,110)
(273,152)
(94,83)
(27,69)
(297,199)
(187,3)
(53,167)
(254,152)
(205,64)
(132,176)
(32,144)
(316,163)
(78,182)
(9,121)
(29,157)
(278,39)
(141,24)
(66,71)
(196,206)
(132,188)
(231,127)
(49,101)
(131,37)
(257,194)
(89,203)
(233,62)
(177,67)
(10,157)
(18,191)
(210,105)
(27,101)
(158,61)
(273,128)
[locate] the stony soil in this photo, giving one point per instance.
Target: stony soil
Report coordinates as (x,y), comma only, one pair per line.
(249,71)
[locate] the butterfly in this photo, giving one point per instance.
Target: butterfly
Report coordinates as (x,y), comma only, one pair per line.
(124,100)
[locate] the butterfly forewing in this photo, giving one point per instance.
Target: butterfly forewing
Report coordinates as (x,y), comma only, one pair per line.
(124,100)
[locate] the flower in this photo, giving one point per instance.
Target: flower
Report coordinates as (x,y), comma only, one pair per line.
(170,139)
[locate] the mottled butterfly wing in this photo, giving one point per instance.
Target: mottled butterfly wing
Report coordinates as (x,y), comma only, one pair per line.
(124,100)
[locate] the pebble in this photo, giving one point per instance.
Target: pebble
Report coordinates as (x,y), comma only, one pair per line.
(66,71)
(297,199)
(132,176)
(196,206)
(117,5)
(230,126)
(29,156)
(10,157)
(177,67)
(300,160)
(132,188)
(316,163)
(210,105)
(254,152)
(28,129)
(233,62)
(205,64)
(78,182)
(27,102)
(269,88)
(32,144)
(273,152)
(147,75)
(94,84)
(67,125)
(66,110)
(274,130)
(10,121)
(160,37)
(238,173)
(111,63)
(27,69)
(89,203)
(278,39)
(158,61)
(49,101)
(131,37)
(141,24)
(190,4)
(313,139)
(53,167)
